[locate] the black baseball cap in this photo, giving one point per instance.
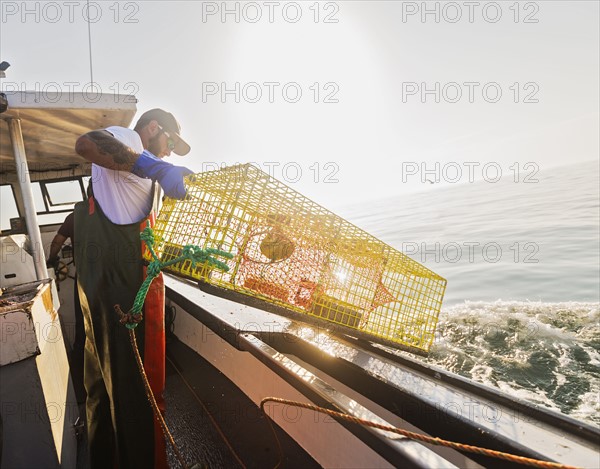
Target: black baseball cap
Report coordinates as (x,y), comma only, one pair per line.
(169,124)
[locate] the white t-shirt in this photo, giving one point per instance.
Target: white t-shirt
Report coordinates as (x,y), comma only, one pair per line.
(123,197)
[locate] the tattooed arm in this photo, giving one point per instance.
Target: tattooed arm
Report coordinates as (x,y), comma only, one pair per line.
(101,148)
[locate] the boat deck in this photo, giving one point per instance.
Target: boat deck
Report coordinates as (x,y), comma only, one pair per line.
(238,418)
(361,379)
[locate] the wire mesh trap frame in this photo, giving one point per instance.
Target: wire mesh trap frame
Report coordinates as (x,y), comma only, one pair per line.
(293,253)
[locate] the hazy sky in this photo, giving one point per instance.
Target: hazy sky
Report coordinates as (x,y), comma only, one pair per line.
(479,88)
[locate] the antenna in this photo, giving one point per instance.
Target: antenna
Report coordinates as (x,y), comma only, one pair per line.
(90,44)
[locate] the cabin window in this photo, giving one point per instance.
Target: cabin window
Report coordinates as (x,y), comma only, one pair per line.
(64,193)
(8,207)
(54,200)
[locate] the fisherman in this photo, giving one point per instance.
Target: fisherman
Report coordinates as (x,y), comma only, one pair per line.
(126,163)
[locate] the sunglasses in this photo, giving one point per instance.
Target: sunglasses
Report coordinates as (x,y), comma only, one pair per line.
(170,141)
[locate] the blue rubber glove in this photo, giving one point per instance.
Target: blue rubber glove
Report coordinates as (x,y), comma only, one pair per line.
(169,177)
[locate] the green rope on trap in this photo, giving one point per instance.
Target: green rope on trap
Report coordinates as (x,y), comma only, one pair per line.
(193,253)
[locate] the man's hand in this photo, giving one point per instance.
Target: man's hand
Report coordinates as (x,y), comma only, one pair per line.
(169,177)
(53,263)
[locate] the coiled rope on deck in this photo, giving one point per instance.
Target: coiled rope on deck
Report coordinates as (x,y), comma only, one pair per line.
(413,436)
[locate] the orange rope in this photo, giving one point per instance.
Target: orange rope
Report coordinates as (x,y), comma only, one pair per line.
(419,437)
(157,412)
(150,395)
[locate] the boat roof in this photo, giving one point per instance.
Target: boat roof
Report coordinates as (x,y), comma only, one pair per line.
(51,122)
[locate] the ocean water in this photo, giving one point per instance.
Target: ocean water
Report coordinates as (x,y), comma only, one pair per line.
(522,260)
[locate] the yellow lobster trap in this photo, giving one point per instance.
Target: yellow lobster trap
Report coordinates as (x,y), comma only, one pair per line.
(291,252)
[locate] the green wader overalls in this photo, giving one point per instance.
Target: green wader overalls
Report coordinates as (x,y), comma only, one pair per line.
(109,271)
